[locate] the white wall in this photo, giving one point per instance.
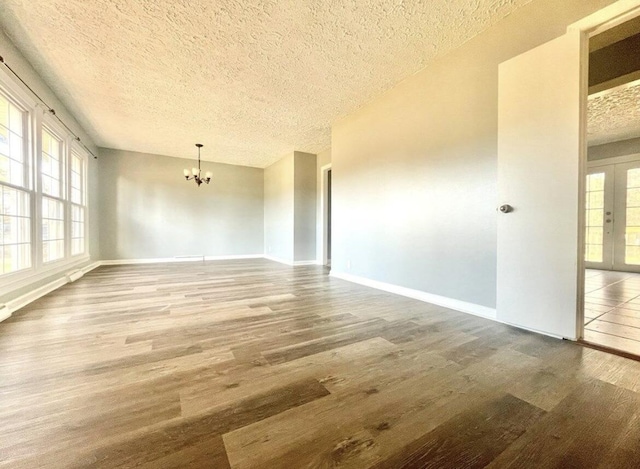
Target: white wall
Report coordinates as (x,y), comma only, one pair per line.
(414,187)
(148,209)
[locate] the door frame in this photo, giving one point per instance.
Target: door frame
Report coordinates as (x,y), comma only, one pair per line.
(596,23)
(324,210)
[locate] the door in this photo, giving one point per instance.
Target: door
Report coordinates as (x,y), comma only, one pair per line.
(599,218)
(612,217)
(626,249)
(539,256)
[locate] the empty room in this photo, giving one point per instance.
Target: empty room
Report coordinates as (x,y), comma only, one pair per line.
(350,234)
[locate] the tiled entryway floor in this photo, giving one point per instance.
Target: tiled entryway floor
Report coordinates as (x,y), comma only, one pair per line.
(612,310)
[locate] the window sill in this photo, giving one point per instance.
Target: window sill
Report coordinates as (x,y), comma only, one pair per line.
(24,279)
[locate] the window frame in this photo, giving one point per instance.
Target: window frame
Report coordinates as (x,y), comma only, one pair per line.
(55,131)
(35,118)
(27,105)
(76,150)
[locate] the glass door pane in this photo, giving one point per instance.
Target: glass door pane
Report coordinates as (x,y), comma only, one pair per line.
(632,226)
(594,236)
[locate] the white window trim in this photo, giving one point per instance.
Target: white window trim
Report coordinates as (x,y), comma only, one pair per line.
(82,153)
(36,116)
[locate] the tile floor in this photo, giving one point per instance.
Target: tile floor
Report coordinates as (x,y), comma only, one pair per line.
(612,309)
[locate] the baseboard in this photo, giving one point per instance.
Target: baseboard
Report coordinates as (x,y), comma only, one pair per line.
(231,258)
(288,262)
(457,305)
(5,313)
(164,260)
(23,300)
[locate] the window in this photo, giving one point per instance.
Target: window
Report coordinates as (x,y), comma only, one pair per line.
(53,229)
(15,201)
(77,203)
(43,192)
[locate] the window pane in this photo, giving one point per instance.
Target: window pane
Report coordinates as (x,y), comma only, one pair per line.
(15,230)
(594,217)
(52,229)
(633,177)
(16,120)
(594,253)
(5,169)
(50,164)
(77,229)
(5,148)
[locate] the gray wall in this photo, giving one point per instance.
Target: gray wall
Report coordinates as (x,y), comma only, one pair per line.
(278,209)
(148,210)
(304,202)
(290,208)
(414,187)
(610,150)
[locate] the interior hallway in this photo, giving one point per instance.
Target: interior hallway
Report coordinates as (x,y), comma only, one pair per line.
(612,309)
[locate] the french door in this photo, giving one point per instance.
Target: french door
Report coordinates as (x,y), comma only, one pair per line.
(612,228)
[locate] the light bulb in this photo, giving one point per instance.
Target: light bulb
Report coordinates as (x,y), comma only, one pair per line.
(186,173)
(208,174)
(195,171)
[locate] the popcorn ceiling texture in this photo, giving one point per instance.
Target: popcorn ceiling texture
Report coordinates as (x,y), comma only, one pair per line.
(252,80)
(614,114)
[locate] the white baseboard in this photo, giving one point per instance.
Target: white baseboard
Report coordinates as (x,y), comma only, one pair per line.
(313,262)
(13,305)
(230,258)
(5,313)
(288,262)
(457,305)
(163,260)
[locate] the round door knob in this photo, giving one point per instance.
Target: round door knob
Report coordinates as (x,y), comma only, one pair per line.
(506,208)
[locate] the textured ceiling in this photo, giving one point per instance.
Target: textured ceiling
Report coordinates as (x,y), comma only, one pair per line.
(250,79)
(614,114)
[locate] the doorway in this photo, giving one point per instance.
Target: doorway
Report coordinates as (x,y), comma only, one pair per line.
(612,190)
(612,219)
(326,214)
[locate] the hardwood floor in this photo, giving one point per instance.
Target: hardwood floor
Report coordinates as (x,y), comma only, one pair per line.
(252,364)
(612,310)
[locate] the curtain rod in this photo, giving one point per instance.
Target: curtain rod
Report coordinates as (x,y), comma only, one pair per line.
(50,109)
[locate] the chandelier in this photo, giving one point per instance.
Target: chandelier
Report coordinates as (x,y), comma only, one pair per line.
(195,172)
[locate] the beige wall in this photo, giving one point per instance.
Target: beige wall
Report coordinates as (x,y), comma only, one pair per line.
(278,209)
(148,209)
(414,192)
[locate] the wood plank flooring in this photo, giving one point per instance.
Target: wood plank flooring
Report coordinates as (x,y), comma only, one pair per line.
(252,364)
(612,310)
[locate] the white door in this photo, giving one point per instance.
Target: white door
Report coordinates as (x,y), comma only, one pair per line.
(540,176)
(627,217)
(599,218)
